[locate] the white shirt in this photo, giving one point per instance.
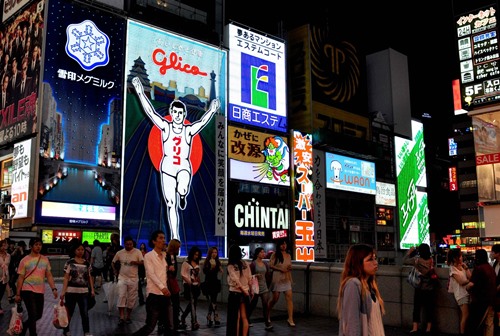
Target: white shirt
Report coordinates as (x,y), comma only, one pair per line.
(156,272)
(127,270)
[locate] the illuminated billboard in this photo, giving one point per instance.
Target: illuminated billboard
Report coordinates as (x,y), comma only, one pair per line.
(412,203)
(20,88)
(258,157)
(350,174)
(175,93)
(386,194)
(81,117)
(477,39)
(257,79)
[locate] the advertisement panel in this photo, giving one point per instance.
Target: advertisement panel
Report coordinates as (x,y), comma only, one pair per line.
(386,194)
(477,38)
(10,7)
(21,166)
(81,118)
(175,86)
(257,213)
(319,196)
(257,79)
(258,157)
(411,203)
(350,174)
(304,201)
(20,73)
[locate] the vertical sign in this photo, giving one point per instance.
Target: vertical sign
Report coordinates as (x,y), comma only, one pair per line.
(21,163)
(220,173)
(304,225)
(319,179)
(479,56)
(452,173)
(20,73)
(257,82)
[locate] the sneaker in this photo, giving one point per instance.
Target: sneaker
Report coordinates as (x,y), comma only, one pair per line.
(269,326)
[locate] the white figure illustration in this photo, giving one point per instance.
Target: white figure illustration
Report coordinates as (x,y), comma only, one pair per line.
(336,167)
(175,167)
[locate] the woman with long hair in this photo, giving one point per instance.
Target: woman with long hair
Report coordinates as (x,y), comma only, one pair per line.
(239,279)
(260,268)
(459,278)
(281,264)
(190,272)
(212,267)
(360,306)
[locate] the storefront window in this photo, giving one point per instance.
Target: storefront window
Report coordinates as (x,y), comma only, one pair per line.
(6,173)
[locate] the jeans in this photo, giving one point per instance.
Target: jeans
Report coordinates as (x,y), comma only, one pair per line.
(34,306)
(156,310)
(71,299)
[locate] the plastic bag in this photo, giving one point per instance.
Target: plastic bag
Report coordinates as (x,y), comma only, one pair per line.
(255,285)
(16,320)
(60,320)
(414,278)
(111,293)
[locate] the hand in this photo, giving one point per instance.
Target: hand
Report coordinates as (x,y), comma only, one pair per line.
(55,294)
(61,296)
(165,292)
(17,298)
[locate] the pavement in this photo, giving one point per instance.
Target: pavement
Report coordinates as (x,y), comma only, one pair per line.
(105,323)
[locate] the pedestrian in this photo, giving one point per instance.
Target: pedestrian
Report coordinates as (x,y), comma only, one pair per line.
(212,268)
(97,263)
(15,259)
(77,283)
(423,298)
(281,264)
(110,254)
(105,270)
(129,260)
(239,279)
(482,289)
(360,306)
(157,292)
(30,287)
(260,269)
(4,270)
(142,275)
(495,256)
(173,249)
(459,278)
(88,251)
(190,272)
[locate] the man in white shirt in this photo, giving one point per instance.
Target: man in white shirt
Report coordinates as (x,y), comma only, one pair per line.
(158,295)
(129,259)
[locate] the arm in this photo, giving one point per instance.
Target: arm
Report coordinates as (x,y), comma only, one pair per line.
(186,272)
(146,104)
(351,308)
(50,280)
(197,126)
(65,285)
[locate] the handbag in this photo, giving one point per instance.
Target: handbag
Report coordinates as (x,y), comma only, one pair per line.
(16,320)
(60,320)
(414,278)
(255,285)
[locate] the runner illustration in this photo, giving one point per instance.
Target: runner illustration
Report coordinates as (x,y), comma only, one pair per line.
(175,167)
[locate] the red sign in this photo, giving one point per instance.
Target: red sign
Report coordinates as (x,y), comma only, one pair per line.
(64,236)
(452,173)
(487,159)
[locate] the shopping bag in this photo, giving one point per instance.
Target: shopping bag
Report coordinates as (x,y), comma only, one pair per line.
(255,285)
(111,294)
(16,320)
(61,319)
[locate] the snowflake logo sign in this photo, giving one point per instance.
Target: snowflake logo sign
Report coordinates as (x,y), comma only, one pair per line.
(87,45)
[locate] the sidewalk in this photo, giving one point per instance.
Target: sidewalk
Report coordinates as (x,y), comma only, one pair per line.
(103,323)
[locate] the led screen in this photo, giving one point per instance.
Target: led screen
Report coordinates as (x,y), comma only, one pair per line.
(350,174)
(257,79)
(170,175)
(82,117)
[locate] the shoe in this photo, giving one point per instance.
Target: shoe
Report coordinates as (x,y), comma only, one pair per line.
(128,320)
(217,323)
(88,334)
(250,325)
(269,326)
(121,322)
(291,324)
(209,320)
(104,301)
(182,325)
(161,329)
(182,202)
(195,326)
